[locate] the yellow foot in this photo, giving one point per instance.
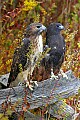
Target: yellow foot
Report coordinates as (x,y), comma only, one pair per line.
(30,84)
(53,76)
(63,74)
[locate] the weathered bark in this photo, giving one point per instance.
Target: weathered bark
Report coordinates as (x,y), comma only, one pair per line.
(48,92)
(62,110)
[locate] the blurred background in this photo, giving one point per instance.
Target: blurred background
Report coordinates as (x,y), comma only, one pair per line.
(17,14)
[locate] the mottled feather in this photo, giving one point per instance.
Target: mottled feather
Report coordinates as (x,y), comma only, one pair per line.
(25,58)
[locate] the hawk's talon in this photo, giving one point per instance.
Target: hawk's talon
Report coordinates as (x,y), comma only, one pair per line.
(30,84)
(53,76)
(35,82)
(63,74)
(20,84)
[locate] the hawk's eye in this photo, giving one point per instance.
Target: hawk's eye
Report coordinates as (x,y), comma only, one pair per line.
(38,26)
(57,25)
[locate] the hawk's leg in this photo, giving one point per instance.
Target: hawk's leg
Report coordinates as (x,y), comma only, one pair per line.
(52,75)
(29,83)
(32,83)
(63,74)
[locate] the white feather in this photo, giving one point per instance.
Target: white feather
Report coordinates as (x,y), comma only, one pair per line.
(40,44)
(55,47)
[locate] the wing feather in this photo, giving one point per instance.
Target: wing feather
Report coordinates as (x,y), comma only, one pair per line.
(19,59)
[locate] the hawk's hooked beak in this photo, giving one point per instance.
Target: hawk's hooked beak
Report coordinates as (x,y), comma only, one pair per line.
(42,28)
(61,27)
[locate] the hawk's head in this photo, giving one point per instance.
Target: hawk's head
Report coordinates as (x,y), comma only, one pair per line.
(35,29)
(54,28)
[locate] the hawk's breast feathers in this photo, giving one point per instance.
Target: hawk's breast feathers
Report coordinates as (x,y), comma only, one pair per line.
(40,44)
(26,53)
(33,41)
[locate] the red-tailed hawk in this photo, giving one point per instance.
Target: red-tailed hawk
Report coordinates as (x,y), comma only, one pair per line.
(51,64)
(27,54)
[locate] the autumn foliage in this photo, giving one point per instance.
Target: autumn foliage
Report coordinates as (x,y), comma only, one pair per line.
(17,14)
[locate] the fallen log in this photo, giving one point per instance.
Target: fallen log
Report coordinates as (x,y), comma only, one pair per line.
(48,92)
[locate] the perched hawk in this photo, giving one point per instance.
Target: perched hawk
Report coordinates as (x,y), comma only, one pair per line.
(56,42)
(27,53)
(51,63)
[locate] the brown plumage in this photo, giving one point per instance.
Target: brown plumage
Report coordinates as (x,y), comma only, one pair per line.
(26,55)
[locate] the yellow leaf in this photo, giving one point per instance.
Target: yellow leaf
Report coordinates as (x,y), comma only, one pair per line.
(2,117)
(9,61)
(5,118)
(78,44)
(9,112)
(29,5)
(12,23)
